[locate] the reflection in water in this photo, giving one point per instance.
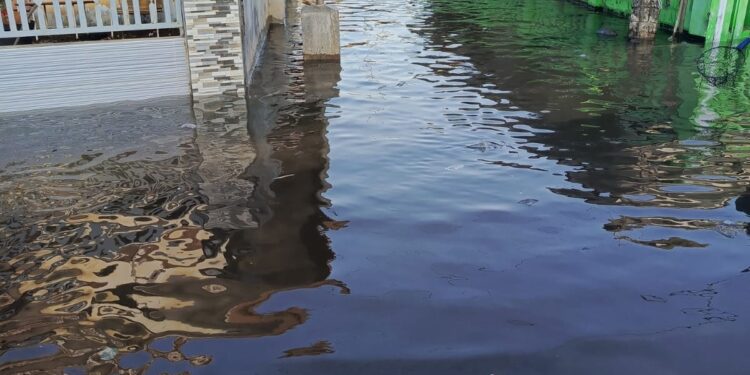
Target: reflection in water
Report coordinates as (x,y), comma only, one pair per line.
(320,347)
(625,129)
(105,254)
(511,181)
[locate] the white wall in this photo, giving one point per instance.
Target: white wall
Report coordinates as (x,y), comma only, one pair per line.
(73,74)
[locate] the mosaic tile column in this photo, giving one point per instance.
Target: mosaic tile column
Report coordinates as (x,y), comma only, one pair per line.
(214,44)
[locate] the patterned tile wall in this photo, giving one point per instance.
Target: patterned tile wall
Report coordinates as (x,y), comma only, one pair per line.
(214,41)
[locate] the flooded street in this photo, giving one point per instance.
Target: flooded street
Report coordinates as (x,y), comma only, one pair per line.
(480,187)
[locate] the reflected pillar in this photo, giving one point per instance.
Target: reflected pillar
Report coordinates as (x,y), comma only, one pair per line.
(226,150)
(289,248)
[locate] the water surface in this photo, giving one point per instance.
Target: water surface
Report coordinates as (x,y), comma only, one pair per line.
(480,187)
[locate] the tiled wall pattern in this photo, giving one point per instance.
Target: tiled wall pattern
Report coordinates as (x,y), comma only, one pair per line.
(214,41)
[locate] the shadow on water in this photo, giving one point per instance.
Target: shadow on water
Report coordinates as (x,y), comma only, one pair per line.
(106,254)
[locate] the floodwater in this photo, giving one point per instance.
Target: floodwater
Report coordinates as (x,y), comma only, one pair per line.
(480,187)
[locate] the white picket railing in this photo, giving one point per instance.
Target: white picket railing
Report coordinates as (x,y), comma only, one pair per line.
(67,17)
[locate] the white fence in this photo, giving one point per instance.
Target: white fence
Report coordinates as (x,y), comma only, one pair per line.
(33,18)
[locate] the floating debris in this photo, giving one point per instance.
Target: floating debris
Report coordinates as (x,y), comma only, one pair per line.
(335,225)
(354,44)
(485,146)
(284,176)
(652,298)
(606,32)
(522,323)
(666,244)
(214,288)
(320,347)
(107,354)
(528,202)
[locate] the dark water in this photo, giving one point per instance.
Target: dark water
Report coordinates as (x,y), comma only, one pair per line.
(481,187)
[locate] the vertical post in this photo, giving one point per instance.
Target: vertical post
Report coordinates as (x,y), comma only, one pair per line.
(70,14)
(644,20)
(57,13)
(137,12)
(166,8)
(125,12)
(113,14)
(82,21)
(678,22)
(178,16)
(152,12)
(41,19)
(320,33)
(98,10)
(738,23)
(9,10)
(2,26)
(24,16)
(716,31)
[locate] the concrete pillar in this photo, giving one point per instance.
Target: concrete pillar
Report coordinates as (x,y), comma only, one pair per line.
(277,10)
(320,33)
(214,45)
(644,20)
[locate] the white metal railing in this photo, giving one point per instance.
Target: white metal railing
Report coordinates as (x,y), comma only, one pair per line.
(23,18)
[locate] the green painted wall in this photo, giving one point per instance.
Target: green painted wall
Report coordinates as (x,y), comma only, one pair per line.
(696,18)
(701,17)
(736,23)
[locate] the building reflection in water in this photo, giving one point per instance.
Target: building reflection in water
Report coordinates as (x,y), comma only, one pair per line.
(191,248)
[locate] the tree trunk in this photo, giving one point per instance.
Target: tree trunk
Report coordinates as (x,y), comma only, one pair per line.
(644,20)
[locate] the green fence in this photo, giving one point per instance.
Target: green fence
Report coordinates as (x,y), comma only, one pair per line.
(718,21)
(696,17)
